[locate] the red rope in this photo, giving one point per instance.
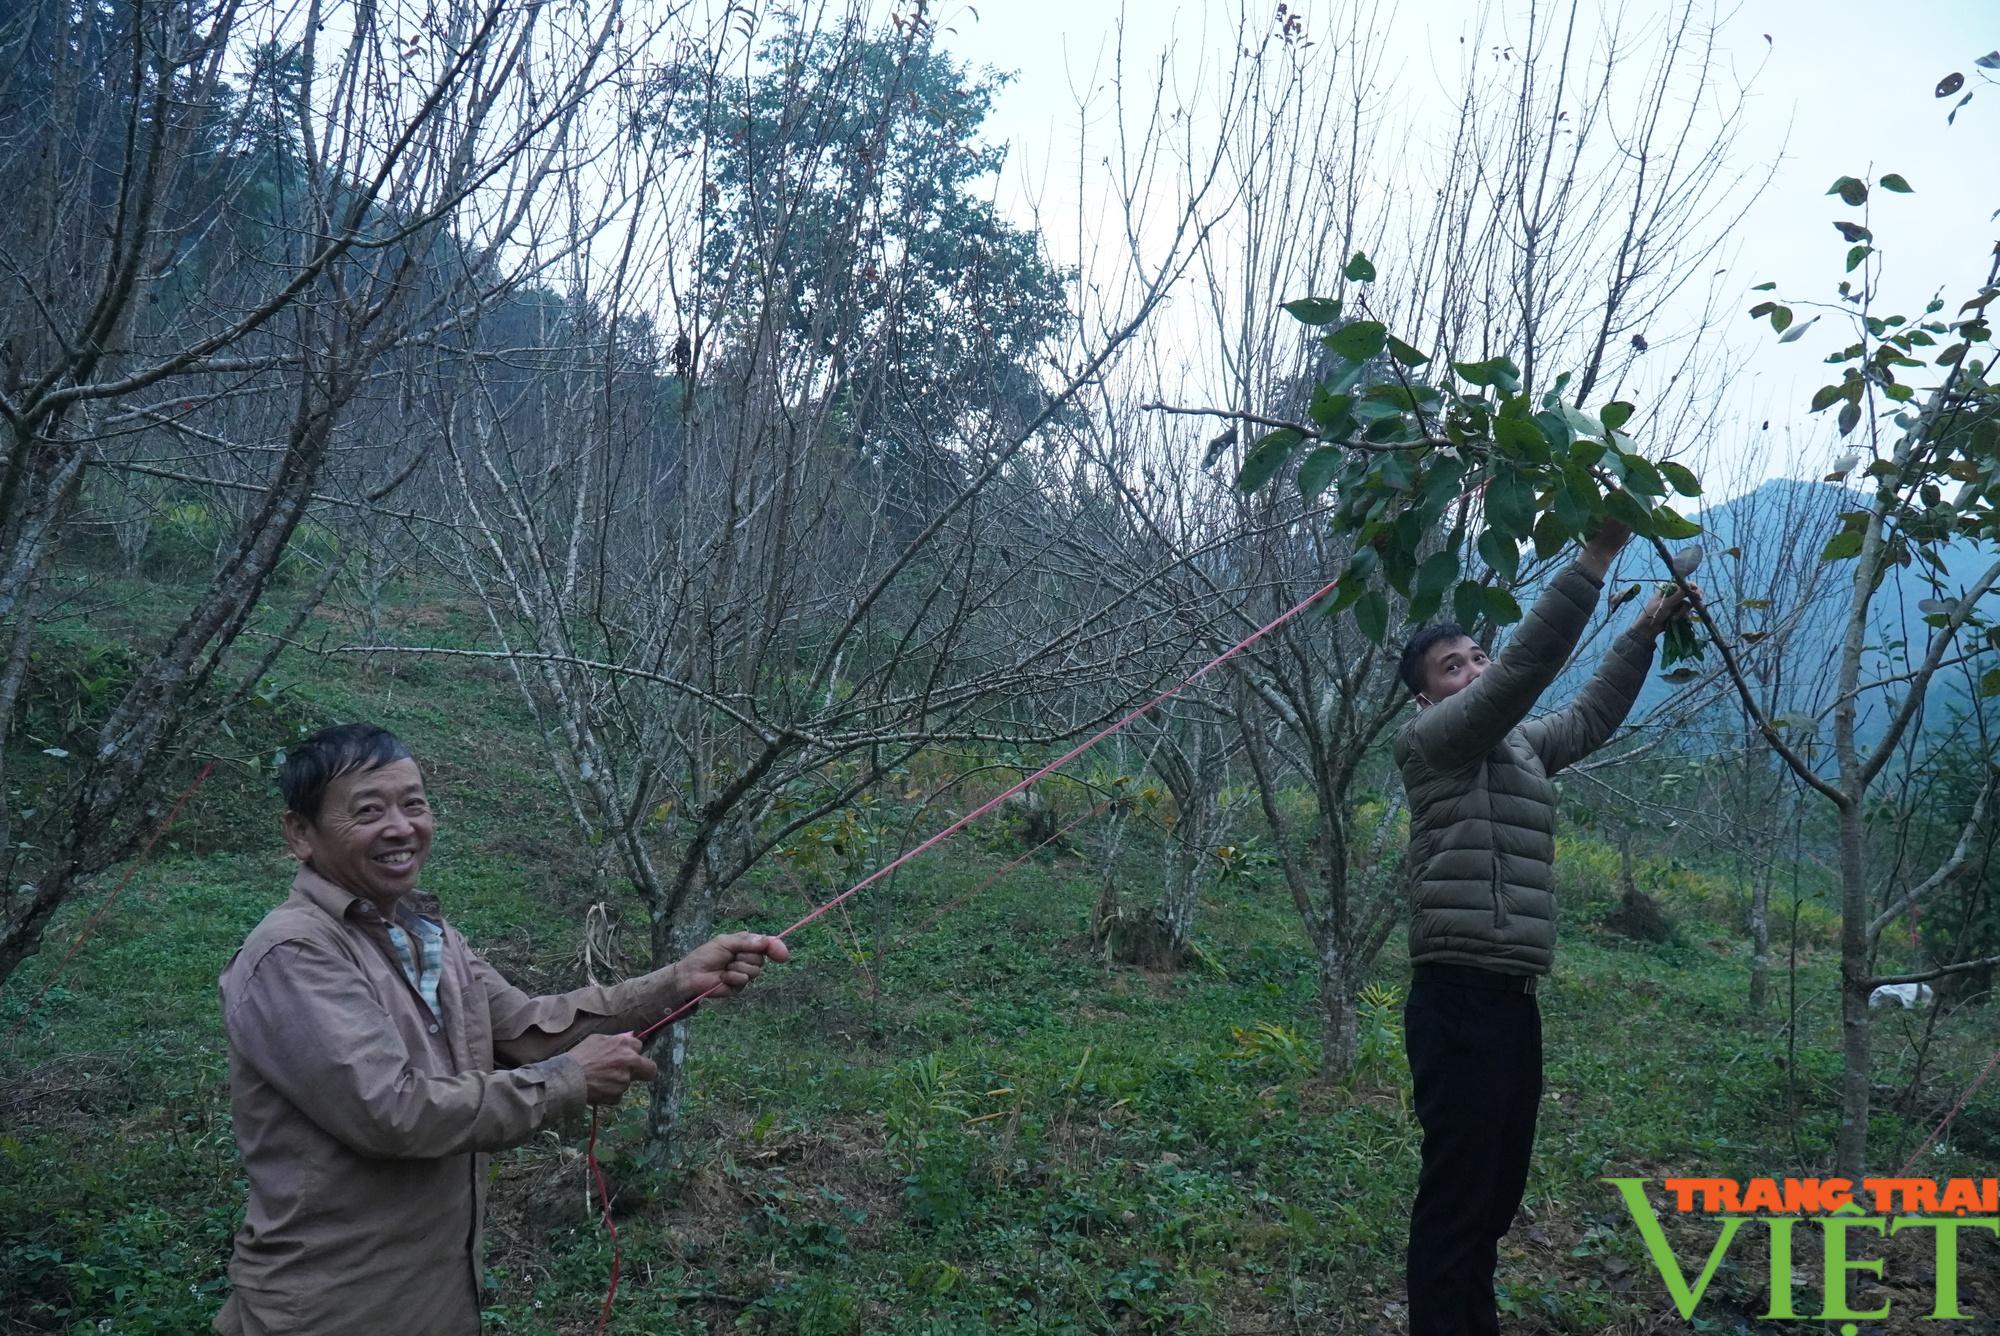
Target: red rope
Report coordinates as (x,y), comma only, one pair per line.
(1939,1130)
(951,905)
(604,1196)
(687,1008)
(90,924)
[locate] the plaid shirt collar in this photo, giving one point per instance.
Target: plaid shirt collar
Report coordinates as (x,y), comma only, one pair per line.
(422,959)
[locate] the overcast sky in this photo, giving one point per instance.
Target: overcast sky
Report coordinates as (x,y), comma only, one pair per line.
(1841,86)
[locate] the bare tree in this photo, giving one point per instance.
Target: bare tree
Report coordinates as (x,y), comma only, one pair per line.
(222,221)
(746,571)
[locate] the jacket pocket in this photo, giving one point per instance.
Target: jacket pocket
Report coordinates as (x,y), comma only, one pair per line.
(1499,896)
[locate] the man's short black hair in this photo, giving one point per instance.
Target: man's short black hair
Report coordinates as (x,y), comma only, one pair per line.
(330,753)
(1411,666)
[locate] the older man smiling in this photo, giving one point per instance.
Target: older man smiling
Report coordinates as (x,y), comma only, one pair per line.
(375,1060)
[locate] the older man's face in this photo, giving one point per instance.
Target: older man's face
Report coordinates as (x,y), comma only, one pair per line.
(373,833)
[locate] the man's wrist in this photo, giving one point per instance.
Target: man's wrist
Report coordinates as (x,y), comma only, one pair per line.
(677,989)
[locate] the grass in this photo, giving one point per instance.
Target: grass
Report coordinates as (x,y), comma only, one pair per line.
(984,1129)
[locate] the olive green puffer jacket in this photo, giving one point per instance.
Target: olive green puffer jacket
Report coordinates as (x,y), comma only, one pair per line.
(1482,807)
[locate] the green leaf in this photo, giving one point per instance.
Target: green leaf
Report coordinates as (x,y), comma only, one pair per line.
(1853,232)
(1510,503)
(1359,270)
(1581,425)
(1989,682)
(1326,410)
(1345,595)
(1850,416)
(1354,580)
(1641,477)
(1681,478)
(1359,341)
(1501,609)
(1781,318)
(1468,601)
(1846,543)
(1405,397)
(1404,354)
(1856,255)
(1671,524)
(1314,310)
(1266,458)
(1616,414)
(1894,181)
(1852,192)
(1343,377)
(1826,396)
(1552,535)
(1318,470)
(1522,438)
(1440,484)
(1499,551)
(1371,614)
(1621,505)
(1392,470)
(1764,287)
(1438,572)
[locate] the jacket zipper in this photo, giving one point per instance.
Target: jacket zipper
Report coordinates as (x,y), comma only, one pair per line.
(1499,899)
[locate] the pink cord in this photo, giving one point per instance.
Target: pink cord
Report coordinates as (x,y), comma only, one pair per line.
(688,1007)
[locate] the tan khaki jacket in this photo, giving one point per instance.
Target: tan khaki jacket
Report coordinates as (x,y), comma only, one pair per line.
(364,1121)
(1482,807)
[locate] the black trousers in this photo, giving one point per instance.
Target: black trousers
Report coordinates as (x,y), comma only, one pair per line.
(1475,1050)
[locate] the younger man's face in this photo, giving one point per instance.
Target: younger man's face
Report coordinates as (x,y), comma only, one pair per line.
(1449,667)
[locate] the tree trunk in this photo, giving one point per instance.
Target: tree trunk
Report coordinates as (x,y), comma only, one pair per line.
(1162,936)
(1760,941)
(1851,1149)
(1180,896)
(1337,1031)
(670,1048)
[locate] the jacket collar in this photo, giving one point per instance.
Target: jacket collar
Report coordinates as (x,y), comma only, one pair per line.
(342,905)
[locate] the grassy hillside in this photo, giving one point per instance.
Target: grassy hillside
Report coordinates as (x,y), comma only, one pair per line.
(982,1128)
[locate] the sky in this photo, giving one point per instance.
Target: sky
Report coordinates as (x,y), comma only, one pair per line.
(1839,87)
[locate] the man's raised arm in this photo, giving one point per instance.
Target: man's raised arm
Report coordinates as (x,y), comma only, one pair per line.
(1568,735)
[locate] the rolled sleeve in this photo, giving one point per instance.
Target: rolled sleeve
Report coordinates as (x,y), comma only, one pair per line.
(308,1022)
(529,1029)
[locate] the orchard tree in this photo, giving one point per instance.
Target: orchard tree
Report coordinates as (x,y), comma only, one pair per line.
(222,222)
(1574,193)
(1922,418)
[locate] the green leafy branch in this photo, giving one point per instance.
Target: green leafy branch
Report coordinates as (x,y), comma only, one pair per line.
(1414,454)
(1932,470)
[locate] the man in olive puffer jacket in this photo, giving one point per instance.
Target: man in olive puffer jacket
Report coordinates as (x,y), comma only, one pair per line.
(1483,917)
